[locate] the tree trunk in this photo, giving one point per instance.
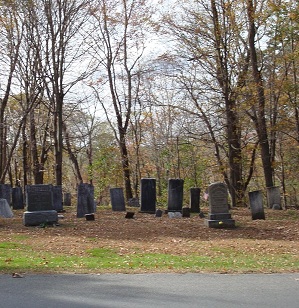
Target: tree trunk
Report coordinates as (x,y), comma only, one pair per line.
(73,158)
(125,167)
(260,122)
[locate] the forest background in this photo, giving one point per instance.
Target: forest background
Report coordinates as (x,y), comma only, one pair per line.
(108,92)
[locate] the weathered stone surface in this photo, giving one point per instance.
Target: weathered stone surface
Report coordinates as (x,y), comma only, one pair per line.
(67,199)
(186,212)
(130,215)
(219,216)
(117,199)
(134,202)
(5,210)
(195,200)
(227,223)
(89,217)
(175,195)
(17,198)
(85,200)
(159,213)
(256,204)
(39,197)
(57,198)
(148,195)
(274,197)
(40,217)
(5,192)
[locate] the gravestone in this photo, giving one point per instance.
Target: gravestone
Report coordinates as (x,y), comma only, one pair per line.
(148,195)
(89,217)
(134,202)
(17,198)
(256,204)
(39,204)
(5,210)
(174,214)
(274,198)
(85,200)
(159,213)
(219,216)
(67,199)
(5,192)
(117,199)
(175,195)
(39,197)
(195,200)
(185,211)
(130,215)
(57,198)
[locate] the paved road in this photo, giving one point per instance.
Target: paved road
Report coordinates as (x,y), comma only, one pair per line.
(150,290)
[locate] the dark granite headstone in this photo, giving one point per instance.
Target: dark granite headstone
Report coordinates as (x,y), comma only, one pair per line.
(57,198)
(256,204)
(175,195)
(39,197)
(37,218)
(85,199)
(148,195)
(17,198)
(89,217)
(274,198)
(5,192)
(195,200)
(67,199)
(117,199)
(39,202)
(130,215)
(185,212)
(159,213)
(219,216)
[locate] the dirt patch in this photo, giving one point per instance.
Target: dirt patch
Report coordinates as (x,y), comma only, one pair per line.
(146,233)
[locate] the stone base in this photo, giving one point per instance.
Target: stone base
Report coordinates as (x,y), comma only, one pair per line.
(147,212)
(219,216)
(225,223)
(39,217)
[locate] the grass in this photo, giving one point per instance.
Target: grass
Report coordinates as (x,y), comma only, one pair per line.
(18,257)
(113,244)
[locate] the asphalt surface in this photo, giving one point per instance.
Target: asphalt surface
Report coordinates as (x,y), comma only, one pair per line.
(150,290)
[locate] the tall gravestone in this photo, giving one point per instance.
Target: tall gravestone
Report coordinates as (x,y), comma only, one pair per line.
(256,204)
(5,192)
(219,216)
(85,200)
(39,204)
(117,199)
(148,195)
(17,198)
(57,198)
(195,200)
(67,199)
(175,195)
(274,198)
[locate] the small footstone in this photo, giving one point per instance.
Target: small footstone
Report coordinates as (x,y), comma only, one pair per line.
(130,215)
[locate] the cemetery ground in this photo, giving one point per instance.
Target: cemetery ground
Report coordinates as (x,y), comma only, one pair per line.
(146,244)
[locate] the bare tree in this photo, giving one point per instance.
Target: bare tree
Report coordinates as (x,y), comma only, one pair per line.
(59,25)
(118,39)
(11,33)
(214,59)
